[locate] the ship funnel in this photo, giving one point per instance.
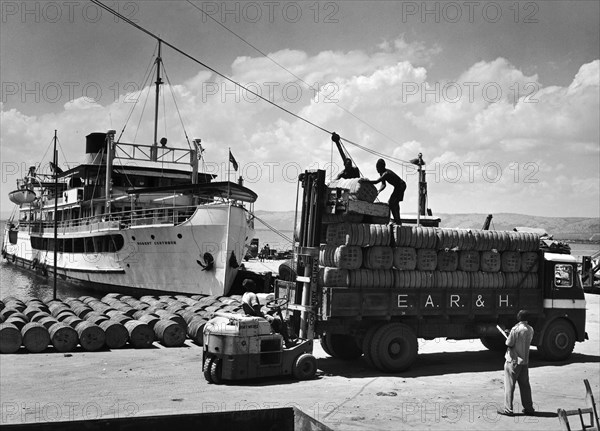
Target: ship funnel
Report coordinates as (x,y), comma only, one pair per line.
(94,144)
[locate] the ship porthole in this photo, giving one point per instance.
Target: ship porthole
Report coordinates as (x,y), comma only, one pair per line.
(179,236)
(152,236)
(133,238)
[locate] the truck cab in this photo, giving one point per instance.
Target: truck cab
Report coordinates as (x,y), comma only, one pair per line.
(563,320)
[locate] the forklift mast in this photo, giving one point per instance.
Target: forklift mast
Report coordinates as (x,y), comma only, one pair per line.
(306,302)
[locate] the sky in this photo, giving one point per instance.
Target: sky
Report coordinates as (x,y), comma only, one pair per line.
(501,98)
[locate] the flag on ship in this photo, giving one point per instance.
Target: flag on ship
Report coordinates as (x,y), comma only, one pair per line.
(233,161)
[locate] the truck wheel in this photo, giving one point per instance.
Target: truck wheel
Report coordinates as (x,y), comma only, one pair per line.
(342,346)
(206,370)
(495,344)
(305,367)
(558,341)
(215,371)
(366,344)
(394,347)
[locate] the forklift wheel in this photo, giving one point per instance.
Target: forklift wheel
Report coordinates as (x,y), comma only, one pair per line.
(305,367)
(215,370)
(206,370)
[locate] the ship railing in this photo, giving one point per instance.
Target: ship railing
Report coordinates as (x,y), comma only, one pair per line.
(115,220)
(153,153)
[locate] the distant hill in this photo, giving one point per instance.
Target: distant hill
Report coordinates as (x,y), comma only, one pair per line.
(564,228)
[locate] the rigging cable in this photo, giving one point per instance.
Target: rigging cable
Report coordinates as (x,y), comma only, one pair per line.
(260,96)
(177,107)
(290,72)
(273,229)
(142,113)
(147,74)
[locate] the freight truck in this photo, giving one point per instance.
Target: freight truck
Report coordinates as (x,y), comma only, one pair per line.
(373,289)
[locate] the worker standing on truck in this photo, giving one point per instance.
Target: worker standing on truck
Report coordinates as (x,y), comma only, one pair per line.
(349,171)
(397,196)
(516,367)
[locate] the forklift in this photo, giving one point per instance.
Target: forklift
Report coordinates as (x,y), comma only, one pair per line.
(239,347)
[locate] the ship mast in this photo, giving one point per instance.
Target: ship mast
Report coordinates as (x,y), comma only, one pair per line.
(55,242)
(158,83)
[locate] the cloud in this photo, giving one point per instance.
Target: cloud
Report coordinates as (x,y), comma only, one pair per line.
(505,143)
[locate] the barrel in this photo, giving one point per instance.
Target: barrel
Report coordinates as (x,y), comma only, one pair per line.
(63,337)
(116,334)
(96,317)
(169,333)
(140,334)
(226,300)
(164,314)
(18,319)
(175,307)
(35,337)
(196,330)
(72,321)
(15,304)
(32,310)
(81,309)
(63,314)
(120,318)
(57,306)
(189,315)
(91,336)
(48,322)
(10,338)
(6,312)
(150,319)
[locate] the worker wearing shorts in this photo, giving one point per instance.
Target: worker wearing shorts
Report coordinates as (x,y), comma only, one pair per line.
(388,176)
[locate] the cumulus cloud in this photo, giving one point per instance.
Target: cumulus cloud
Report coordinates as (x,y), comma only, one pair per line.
(495,138)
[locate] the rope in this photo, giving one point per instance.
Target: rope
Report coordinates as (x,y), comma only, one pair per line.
(278,232)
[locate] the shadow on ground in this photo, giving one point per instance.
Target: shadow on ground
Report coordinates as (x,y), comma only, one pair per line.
(436,364)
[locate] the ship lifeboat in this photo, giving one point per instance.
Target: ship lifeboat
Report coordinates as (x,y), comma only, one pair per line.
(22,196)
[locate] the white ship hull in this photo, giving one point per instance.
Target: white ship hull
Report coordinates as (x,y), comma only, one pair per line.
(156,257)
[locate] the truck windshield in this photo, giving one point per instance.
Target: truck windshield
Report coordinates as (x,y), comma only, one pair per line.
(563,275)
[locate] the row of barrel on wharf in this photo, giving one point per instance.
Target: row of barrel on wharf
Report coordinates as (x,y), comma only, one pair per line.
(114,321)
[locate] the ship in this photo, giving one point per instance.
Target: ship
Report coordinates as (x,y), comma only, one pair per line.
(133,218)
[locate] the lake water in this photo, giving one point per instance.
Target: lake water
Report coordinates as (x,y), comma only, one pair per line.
(20,283)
